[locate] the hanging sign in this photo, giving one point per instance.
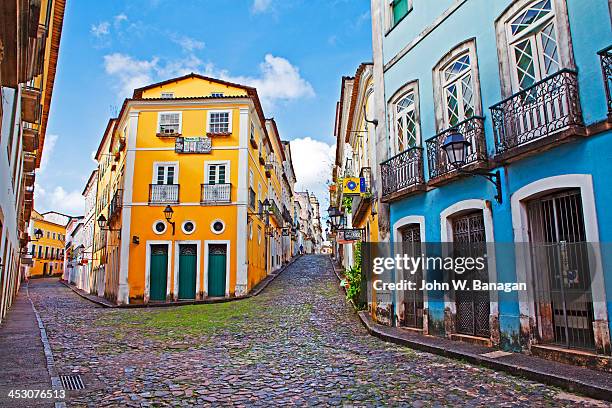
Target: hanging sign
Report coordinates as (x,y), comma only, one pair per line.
(348,236)
(351,186)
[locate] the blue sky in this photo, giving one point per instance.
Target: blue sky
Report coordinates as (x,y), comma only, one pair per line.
(294,51)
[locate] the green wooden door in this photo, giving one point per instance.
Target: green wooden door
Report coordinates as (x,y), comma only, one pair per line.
(158,279)
(217,259)
(187,271)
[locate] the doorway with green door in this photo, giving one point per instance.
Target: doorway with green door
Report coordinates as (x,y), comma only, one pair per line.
(158,272)
(187,270)
(217,263)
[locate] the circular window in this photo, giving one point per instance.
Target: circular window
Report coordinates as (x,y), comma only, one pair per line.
(188,227)
(217,226)
(159,227)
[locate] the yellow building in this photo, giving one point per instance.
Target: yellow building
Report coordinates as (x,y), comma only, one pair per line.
(185,173)
(47,251)
(355,161)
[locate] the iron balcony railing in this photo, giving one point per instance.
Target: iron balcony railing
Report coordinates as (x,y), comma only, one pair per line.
(216,193)
(472,130)
(163,193)
(402,171)
(546,107)
(605,57)
(275,211)
(116,203)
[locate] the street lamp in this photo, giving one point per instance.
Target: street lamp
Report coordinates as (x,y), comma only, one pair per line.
(456,148)
(102,223)
(38,234)
(168,213)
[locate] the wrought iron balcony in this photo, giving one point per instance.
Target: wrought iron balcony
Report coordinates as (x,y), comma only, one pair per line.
(116,204)
(30,104)
(605,57)
(216,193)
(537,115)
(402,173)
(472,130)
(275,212)
(163,193)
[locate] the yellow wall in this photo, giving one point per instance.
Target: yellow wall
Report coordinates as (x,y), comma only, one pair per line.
(47,241)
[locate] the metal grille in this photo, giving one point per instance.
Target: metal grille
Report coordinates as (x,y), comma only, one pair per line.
(605,56)
(164,193)
(72,382)
(411,312)
(216,193)
(560,264)
(548,106)
(473,131)
(473,307)
(402,171)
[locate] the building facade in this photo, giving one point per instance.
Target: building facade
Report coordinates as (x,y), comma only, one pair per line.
(29,45)
(190,194)
(48,251)
(522,82)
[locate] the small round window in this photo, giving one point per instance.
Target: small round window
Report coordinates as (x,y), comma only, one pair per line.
(188,227)
(217,226)
(159,227)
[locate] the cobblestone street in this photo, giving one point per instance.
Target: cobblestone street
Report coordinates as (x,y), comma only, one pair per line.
(298,343)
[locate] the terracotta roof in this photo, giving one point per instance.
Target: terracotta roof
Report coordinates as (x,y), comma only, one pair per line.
(59,7)
(110,123)
(138,91)
(354,96)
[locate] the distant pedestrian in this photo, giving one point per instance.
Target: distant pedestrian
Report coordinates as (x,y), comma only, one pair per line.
(302,249)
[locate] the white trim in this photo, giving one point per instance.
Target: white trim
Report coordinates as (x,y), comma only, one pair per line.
(401,93)
(242,190)
(446,235)
(183,227)
(227,164)
(171,149)
(155,223)
(180,127)
(212,229)
(228,261)
(409,219)
(147,291)
(520,226)
(123,295)
(211,111)
(177,253)
(157,164)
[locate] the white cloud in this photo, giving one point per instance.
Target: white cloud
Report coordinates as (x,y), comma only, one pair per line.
(100,30)
(312,161)
(188,44)
(120,18)
(279,80)
(60,200)
(50,142)
(261,6)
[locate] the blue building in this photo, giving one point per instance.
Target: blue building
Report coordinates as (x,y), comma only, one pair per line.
(522,82)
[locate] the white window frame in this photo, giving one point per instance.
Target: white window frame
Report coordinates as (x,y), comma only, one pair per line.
(467,47)
(217,94)
(504,48)
(180,126)
(410,87)
(210,113)
(207,165)
(156,165)
(167,95)
(389,26)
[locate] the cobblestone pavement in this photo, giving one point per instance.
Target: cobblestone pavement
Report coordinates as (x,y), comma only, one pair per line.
(298,343)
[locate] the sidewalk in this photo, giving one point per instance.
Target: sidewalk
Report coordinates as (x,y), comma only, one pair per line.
(23,361)
(100,301)
(591,383)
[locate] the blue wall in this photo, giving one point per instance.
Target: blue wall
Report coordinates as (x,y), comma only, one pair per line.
(591,31)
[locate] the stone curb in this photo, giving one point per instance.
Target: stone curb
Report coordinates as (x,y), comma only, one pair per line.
(56,384)
(254,292)
(561,381)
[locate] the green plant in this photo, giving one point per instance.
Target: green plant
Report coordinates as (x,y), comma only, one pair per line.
(347,204)
(354,277)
